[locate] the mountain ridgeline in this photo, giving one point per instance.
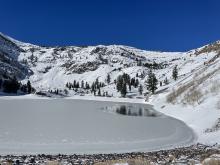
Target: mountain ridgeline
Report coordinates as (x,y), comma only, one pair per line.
(51,68)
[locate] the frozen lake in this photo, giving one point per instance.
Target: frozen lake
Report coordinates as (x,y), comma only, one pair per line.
(31,126)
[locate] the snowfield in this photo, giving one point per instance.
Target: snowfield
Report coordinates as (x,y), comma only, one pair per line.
(71,126)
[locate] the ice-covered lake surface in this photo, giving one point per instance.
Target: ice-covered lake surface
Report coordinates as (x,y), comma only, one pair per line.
(41,126)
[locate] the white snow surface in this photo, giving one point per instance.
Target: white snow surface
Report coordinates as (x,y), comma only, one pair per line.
(81,126)
(53,67)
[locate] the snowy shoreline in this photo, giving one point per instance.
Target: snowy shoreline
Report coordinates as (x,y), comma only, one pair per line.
(185,155)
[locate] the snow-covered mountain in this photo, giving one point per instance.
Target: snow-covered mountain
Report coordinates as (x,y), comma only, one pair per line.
(53,67)
(194,98)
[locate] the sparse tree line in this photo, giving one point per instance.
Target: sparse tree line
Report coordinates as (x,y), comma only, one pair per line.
(151,84)
(55,91)
(153,65)
(12,85)
(95,88)
(123,83)
(76,85)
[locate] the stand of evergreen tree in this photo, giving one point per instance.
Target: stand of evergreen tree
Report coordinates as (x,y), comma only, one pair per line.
(75,85)
(12,85)
(95,87)
(123,81)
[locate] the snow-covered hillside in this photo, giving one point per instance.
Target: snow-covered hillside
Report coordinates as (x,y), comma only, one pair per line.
(53,67)
(193,98)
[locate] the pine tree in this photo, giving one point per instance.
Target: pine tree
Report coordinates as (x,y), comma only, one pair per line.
(124,89)
(133,81)
(94,92)
(122,82)
(175,73)
(139,63)
(126,78)
(119,83)
(99,92)
(15,85)
(136,83)
(74,84)
(108,78)
(100,85)
(151,82)
(93,87)
(67,85)
(129,85)
(82,84)
(166,81)
(29,88)
(77,85)
(140,89)
(97,83)
(87,85)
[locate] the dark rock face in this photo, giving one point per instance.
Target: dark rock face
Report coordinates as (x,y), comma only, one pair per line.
(9,64)
(81,68)
(8,47)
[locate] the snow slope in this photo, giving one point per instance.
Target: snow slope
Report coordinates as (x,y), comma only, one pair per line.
(52,67)
(203,115)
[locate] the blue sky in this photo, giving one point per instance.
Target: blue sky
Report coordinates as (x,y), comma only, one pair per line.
(166,25)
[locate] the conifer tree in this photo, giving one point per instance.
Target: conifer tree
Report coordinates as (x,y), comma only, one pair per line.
(129,85)
(29,87)
(140,89)
(166,81)
(119,83)
(136,83)
(175,73)
(99,92)
(93,87)
(74,84)
(151,82)
(108,78)
(82,84)
(124,89)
